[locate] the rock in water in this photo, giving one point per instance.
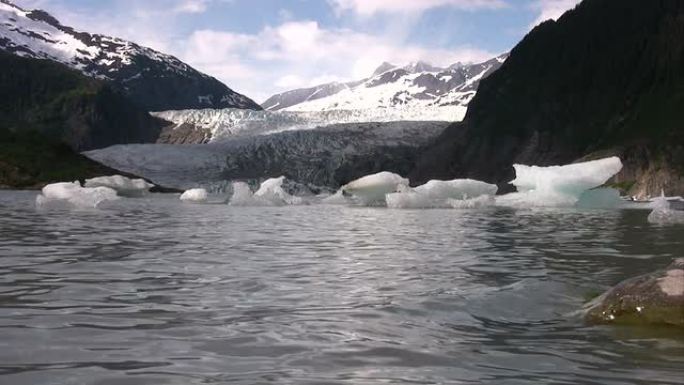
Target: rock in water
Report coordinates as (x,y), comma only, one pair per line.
(650,299)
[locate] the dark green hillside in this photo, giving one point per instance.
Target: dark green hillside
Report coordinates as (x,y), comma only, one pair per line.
(606,78)
(60,103)
(48,113)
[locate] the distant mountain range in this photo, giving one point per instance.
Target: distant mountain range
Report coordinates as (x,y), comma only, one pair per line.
(153,80)
(415,86)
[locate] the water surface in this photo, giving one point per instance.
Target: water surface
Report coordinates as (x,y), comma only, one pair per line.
(152,291)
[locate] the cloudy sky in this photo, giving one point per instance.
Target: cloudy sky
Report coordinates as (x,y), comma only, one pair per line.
(260,47)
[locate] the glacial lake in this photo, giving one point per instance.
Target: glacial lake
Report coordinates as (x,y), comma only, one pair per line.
(153,291)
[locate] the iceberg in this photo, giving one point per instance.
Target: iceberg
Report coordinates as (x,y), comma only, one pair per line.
(472,203)
(122,185)
(558,186)
(372,189)
(270,193)
(71,194)
(440,194)
(664,214)
(197,195)
(272,190)
(335,199)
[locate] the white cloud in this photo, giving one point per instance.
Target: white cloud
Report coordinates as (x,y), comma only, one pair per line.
(371,7)
(191,6)
(301,54)
(551,9)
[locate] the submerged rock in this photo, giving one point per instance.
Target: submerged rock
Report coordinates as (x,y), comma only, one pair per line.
(650,299)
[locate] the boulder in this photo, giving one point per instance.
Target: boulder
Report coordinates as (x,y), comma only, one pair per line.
(651,299)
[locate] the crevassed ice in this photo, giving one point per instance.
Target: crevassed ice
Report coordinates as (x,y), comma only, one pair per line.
(71,194)
(443,194)
(122,185)
(270,193)
(559,186)
(197,195)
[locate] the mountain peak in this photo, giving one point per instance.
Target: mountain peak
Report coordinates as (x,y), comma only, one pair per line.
(384,67)
(421,66)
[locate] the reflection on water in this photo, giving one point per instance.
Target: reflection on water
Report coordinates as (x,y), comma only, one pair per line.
(151,291)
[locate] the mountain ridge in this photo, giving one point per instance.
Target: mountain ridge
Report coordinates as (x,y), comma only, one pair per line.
(415,85)
(154,80)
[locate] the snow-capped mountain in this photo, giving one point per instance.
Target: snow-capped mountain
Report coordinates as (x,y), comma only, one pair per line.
(154,80)
(415,86)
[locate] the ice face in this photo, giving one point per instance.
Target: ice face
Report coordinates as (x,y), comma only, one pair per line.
(558,186)
(198,195)
(270,193)
(73,195)
(438,194)
(372,189)
(122,185)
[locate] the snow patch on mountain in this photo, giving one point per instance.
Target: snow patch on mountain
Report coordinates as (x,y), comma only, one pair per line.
(416,86)
(139,70)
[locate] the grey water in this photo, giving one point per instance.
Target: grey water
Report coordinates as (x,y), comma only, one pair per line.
(153,291)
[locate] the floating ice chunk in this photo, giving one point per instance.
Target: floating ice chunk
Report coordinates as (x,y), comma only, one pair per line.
(73,195)
(600,198)
(438,194)
(197,195)
(455,189)
(371,189)
(664,214)
(242,195)
(272,190)
(270,193)
(472,203)
(558,186)
(336,199)
(122,185)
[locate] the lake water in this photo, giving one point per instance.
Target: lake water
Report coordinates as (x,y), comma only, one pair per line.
(152,291)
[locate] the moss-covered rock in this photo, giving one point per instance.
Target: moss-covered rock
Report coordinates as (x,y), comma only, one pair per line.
(650,299)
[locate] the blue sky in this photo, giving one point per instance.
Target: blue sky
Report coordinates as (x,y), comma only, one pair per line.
(260,47)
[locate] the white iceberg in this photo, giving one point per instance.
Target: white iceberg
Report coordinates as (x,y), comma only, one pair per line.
(270,193)
(196,195)
(372,189)
(335,199)
(122,185)
(440,194)
(558,186)
(472,203)
(73,195)
(664,214)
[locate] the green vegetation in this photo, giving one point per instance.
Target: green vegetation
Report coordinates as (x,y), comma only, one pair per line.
(31,160)
(48,113)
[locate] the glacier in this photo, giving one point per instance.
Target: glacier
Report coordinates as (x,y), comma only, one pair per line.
(229,123)
(323,157)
